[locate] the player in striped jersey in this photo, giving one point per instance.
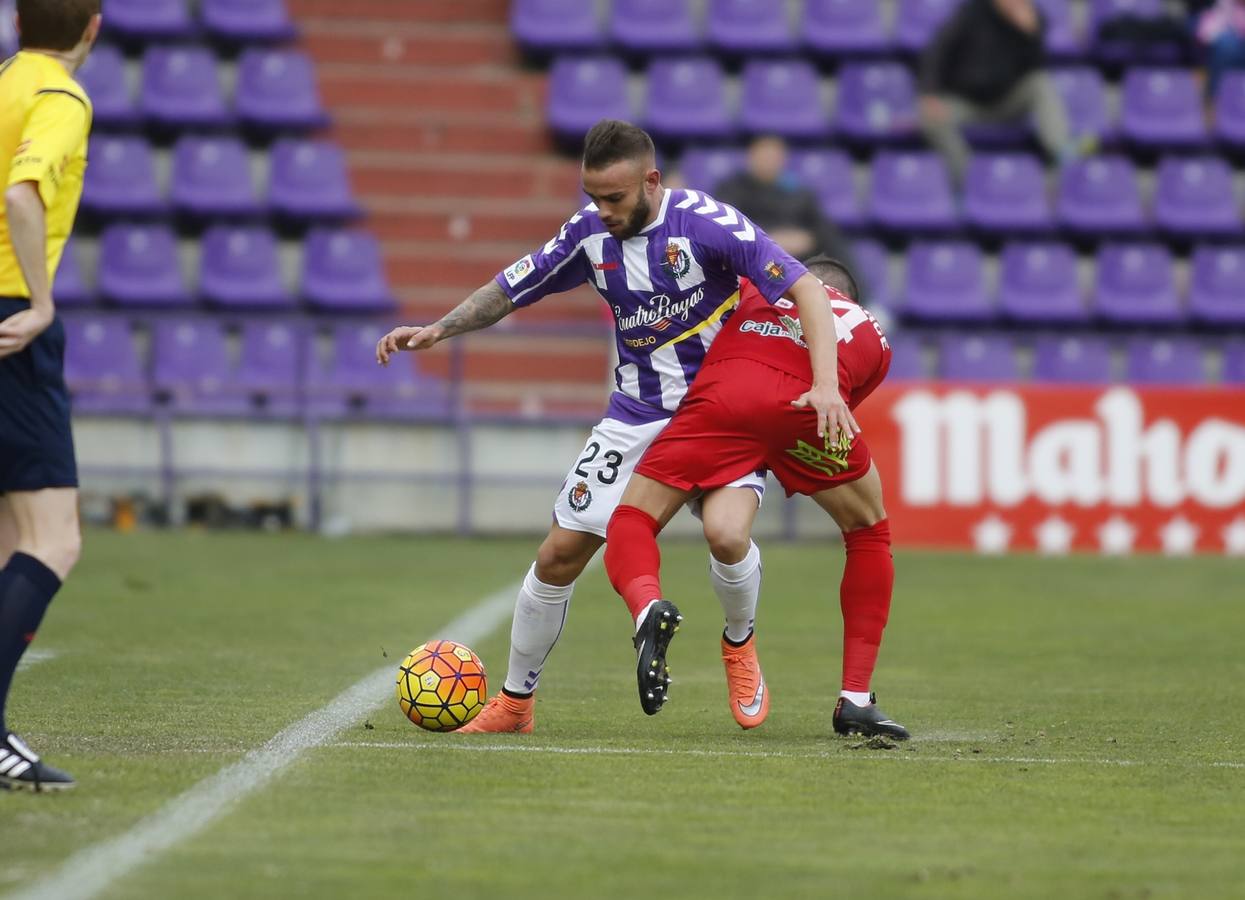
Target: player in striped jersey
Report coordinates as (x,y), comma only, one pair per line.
(668,264)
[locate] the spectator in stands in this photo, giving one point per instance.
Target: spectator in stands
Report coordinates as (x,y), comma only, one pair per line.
(775,199)
(985,65)
(1221,30)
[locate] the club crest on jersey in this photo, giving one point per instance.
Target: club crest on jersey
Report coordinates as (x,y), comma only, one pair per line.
(774,271)
(579,497)
(678,261)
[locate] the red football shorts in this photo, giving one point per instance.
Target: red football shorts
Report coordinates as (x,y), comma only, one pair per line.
(738,418)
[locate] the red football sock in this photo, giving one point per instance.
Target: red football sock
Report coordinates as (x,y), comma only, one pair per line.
(865,598)
(632,559)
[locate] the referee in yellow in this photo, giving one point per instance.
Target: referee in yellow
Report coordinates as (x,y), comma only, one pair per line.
(45,118)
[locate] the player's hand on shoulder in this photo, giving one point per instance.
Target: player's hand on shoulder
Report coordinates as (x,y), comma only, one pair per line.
(19,329)
(833,416)
(406,337)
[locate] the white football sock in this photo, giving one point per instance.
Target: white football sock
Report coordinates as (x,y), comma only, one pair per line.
(539,614)
(860,698)
(738,587)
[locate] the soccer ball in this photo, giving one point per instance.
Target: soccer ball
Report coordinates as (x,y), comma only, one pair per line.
(441,685)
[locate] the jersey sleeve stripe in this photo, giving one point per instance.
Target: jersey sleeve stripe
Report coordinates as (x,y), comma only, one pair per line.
(554,271)
(62,91)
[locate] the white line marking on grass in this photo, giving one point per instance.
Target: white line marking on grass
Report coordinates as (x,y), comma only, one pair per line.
(34,657)
(453,744)
(93,870)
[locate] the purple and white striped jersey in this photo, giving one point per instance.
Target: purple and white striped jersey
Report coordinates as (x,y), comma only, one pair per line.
(669,288)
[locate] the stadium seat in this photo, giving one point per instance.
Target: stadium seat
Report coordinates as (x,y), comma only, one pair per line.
(1234,362)
(1038,284)
(1230,110)
(8,28)
(1194,198)
(1084,96)
(241,22)
(749,27)
(1100,197)
(350,384)
(69,288)
(844,28)
(1072,359)
(277,91)
(783,97)
(1165,360)
(1128,49)
(911,192)
(139,266)
(240,269)
(584,90)
(1136,285)
(687,100)
(654,26)
(121,179)
(102,366)
(1162,108)
(917,21)
(148,20)
(907,358)
(1063,41)
(103,78)
(946,283)
(876,103)
(977,357)
(191,368)
(1217,286)
(554,26)
(212,178)
(271,362)
(343,272)
(181,89)
(704,168)
(1005,193)
(828,173)
(873,273)
(308,182)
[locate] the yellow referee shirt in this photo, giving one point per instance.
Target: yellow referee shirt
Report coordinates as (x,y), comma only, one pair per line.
(45,118)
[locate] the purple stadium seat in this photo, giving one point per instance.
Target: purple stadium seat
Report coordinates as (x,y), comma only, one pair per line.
(353,385)
(247,21)
(946,283)
(907,358)
(749,27)
(270,365)
(343,272)
(783,97)
(912,193)
(1084,96)
(1038,284)
(654,26)
(917,21)
(102,367)
(277,91)
(1101,196)
(544,26)
(69,288)
(103,78)
(874,274)
(1006,193)
(687,100)
(584,90)
(309,182)
(139,266)
(1234,362)
(1071,359)
(1063,41)
(191,368)
(704,168)
(1230,109)
(1132,49)
(876,102)
(1195,198)
(240,269)
(844,28)
(1105,10)
(181,89)
(8,28)
(149,20)
(121,179)
(977,357)
(212,178)
(828,173)
(1136,285)
(1165,361)
(1162,108)
(1217,286)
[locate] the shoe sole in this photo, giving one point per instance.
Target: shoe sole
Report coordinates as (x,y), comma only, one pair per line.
(853,730)
(43,787)
(651,672)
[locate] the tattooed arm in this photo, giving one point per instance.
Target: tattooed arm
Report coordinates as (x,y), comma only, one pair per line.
(483,308)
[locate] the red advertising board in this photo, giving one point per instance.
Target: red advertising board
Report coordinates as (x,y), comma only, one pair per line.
(1112,470)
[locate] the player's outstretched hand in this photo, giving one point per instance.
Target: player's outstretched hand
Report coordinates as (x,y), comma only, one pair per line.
(19,329)
(406,337)
(833,416)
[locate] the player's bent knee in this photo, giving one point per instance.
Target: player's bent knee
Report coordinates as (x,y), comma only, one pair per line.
(563,555)
(729,542)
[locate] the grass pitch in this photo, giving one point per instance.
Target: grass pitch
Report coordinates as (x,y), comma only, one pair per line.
(1077,728)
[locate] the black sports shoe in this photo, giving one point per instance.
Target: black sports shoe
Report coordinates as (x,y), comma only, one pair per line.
(867,720)
(22,770)
(651,642)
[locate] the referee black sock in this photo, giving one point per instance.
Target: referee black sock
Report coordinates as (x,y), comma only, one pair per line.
(27,586)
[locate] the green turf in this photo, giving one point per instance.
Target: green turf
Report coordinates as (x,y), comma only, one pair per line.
(1072,723)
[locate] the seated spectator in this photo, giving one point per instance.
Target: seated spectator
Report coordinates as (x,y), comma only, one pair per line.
(985,65)
(1221,30)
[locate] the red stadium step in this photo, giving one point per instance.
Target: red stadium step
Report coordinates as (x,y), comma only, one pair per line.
(348,41)
(399,217)
(461,175)
(447,132)
(404,10)
(381,85)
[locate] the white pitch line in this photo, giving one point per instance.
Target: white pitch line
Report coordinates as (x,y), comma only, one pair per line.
(92,870)
(453,744)
(34,657)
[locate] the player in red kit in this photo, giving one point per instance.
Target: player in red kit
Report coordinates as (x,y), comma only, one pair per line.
(742,413)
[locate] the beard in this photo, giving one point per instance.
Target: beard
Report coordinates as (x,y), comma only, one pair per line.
(637,219)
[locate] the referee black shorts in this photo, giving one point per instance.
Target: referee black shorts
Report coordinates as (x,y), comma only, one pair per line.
(36,443)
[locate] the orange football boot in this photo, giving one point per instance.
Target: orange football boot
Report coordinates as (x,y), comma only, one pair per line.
(745,685)
(503,714)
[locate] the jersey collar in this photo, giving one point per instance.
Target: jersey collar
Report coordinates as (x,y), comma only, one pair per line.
(661,214)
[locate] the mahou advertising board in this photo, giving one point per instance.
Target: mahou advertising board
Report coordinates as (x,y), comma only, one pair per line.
(1112,470)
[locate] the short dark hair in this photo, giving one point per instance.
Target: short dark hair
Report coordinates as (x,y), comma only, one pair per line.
(835,274)
(54,24)
(611,141)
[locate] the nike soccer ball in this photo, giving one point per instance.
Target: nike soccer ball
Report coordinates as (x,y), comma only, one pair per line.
(441,685)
